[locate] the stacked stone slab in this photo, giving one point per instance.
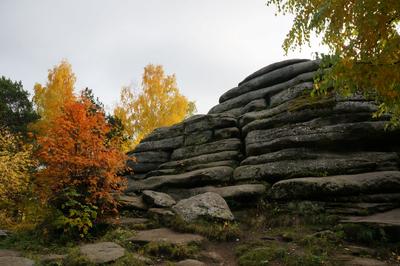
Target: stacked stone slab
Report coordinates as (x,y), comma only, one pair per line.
(268,129)
(202,150)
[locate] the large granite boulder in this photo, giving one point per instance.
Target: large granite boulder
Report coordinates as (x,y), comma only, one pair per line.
(210,206)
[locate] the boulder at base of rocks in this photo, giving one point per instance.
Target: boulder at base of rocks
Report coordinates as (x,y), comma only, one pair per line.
(190,262)
(165,235)
(209,205)
(16,261)
(336,186)
(158,199)
(134,202)
(103,252)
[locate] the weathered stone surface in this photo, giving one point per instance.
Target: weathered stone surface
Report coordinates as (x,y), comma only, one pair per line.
(236,192)
(150,156)
(389,218)
(272,67)
(303,80)
(347,260)
(189,179)
(285,169)
(233,192)
(315,154)
(165,235)
(158,199)
(255,105)
(16,261)
(230,163)
(208,205)
(335,186)
(159,212)
(9,253)
(212,147)
(226,133)
(165,132)
(200,137)
(202,159)
(134,202)
(276,76)
(103,252)
(206,122)
(340,112)
(163,144)
(190,262)
(262,141)
(142,167)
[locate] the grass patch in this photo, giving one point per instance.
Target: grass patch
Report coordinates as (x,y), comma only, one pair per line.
(277,254)
(213,230)
(170,251)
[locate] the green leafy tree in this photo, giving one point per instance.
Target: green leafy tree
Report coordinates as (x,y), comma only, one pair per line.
(364,41)
(16,110)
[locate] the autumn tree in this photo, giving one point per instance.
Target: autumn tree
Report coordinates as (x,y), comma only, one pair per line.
(50,99)
(80,166)
(16,166)
(364,40)
(16,110)
(159,103)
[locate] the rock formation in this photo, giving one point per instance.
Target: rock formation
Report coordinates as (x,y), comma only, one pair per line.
(268,136)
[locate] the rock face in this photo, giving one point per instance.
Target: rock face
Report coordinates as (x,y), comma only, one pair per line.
(268,129)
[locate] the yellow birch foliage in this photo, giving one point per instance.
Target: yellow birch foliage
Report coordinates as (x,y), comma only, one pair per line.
(50,99)
(16,164)
(158,104)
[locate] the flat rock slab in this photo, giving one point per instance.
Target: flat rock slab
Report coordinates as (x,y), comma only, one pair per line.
(15,261)
(336,186)
(357,261)
(190,262)
(9,253)
(234,192)
(189,179)
(165,235)
(103,252)
(209,205)
(134,202)
(389,218)
(158,199)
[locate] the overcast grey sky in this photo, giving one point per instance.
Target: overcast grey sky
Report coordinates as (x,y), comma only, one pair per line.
(210,45)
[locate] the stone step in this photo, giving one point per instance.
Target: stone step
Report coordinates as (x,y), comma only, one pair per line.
(165,235)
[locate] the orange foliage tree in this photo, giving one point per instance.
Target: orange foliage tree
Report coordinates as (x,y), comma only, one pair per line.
(80,166)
